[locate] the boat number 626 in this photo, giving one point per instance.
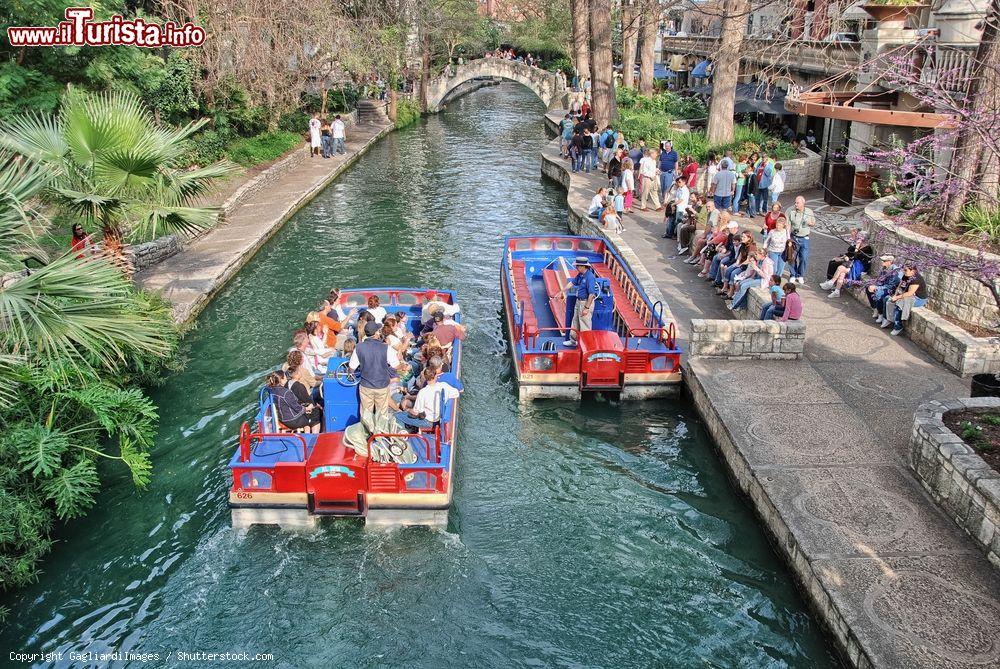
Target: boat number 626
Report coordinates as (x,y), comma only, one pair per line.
(244,495)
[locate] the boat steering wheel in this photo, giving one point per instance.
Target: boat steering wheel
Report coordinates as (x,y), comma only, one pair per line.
(345,376)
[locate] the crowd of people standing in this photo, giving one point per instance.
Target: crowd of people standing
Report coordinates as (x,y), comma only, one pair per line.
(728,220)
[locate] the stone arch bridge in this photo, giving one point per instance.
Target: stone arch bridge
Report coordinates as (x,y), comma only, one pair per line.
(547,86)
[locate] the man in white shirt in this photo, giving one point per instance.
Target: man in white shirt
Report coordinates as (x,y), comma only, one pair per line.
(650,183)
(597,203)
(426,411)
(339,134)
(682,197)
(434,304)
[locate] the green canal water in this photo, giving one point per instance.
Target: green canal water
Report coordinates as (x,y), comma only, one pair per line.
(581,536)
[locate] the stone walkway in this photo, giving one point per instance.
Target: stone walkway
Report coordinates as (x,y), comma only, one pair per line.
(819,447)
(189,279)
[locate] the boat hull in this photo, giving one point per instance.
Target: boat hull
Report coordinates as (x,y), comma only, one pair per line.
(564,384)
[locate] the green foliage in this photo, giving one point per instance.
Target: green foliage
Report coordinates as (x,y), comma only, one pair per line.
(563,64)
(23,90)
(407,113)
(263,148)
(652,128)
(992,419)
(114,167)
(971,433)
(667,104)
(979,222)
(206,147)
(76,339)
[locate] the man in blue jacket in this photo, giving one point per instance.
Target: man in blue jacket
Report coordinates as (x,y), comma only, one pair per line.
(668,163)
(764,169)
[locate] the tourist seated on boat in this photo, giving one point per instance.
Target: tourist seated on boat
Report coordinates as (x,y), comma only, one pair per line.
(426,410)
(377,312)
(884,285)
(447,330)
(291,413)
(364,318)
(776,307)
(909,294)
(434,303)
(300,382)
(390,335)
(851,266)
(597,203)
(349,345)
(300,342)
(318,352)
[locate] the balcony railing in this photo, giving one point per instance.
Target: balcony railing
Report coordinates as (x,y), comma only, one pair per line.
(948,67)
(802,55)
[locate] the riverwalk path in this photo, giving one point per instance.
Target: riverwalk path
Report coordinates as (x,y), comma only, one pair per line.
(819,447)
(189,279)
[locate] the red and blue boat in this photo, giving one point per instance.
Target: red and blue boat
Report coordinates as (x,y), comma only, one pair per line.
(287,478)
(631,353)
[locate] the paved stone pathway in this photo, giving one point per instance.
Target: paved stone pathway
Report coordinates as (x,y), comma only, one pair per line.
(819,445)
(189,279)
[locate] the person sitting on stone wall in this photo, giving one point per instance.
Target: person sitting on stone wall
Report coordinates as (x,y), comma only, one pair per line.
(851,266)
(884,285)
(909,294)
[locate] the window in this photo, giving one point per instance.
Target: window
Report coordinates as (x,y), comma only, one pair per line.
(255,480)
(384,299)
(356,300)
(587,245)
(543,245)
(660,363)
(522,244)
(564,244)
(406,299)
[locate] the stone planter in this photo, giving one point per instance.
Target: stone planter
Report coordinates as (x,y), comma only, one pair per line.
(960,482)
(950,294)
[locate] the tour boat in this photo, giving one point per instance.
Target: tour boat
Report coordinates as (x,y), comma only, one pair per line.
(287,478)
(631,353)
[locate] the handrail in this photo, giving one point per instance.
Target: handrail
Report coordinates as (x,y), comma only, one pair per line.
(534,337)
(407,435)
(247,437)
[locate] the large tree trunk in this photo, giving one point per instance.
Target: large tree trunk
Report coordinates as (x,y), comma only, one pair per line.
(725,74)
(630,41)
(968,164)
(602,63)
(581,38)
(650,10)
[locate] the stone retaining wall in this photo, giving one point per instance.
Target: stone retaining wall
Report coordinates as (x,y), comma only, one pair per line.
(747,340)
(950,293)
(143,256)
(960,481)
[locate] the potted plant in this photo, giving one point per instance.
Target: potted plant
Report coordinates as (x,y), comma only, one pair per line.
(985,385)
(892,11)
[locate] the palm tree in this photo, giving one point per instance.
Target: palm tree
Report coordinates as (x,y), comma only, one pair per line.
(109,163)
(77,316)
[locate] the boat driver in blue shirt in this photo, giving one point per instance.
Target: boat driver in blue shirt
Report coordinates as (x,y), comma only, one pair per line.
(587,290)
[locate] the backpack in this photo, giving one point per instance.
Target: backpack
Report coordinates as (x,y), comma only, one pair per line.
(609,143)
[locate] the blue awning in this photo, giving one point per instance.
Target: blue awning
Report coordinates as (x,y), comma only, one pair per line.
(700,70)
(660,71)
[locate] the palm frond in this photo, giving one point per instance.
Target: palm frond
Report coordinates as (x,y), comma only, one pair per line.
(34,136)
(78,311)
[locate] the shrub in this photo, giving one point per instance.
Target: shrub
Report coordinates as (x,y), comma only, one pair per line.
(563,64)
(407,113)
(207,147)
(262,148)
(979,222)
(667,104)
